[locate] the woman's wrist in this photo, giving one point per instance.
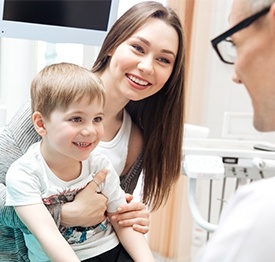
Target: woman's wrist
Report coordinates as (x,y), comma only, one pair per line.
(69,215)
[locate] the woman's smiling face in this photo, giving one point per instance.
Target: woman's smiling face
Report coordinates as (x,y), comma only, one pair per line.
(142,64)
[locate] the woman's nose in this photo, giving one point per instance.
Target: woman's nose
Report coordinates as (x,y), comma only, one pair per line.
(146,65)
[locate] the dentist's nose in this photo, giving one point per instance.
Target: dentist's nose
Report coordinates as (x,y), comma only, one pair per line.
(146,65)
(236,78)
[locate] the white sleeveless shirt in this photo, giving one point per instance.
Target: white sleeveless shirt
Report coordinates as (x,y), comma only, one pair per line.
(116,150)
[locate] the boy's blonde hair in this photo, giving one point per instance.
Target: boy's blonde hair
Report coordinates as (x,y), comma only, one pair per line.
(59,85)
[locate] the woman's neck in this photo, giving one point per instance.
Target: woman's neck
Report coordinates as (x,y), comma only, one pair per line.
(113,110)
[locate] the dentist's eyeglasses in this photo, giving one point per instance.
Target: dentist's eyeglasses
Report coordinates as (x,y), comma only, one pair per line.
(223,44)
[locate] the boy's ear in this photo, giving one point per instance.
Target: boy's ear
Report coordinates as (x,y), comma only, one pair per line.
(38,123)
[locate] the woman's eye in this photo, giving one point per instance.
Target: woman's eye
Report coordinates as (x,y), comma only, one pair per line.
(164,60)
(76,119)
(138,48)
(98,119)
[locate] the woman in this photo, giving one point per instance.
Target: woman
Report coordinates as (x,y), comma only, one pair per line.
(141,64)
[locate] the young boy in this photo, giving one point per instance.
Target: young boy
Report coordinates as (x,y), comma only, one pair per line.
(67,103)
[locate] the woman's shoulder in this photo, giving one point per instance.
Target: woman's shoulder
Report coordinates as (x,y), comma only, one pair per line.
(20,131)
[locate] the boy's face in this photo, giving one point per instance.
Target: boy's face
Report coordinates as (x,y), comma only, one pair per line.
(71,134)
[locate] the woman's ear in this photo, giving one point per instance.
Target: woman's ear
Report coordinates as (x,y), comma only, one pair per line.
(38,123)
(111,52)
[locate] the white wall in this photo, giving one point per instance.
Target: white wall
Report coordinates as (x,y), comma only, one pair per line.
(18,66)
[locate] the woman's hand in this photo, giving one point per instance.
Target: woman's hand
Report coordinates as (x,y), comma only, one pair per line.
(133,214)
(88,207)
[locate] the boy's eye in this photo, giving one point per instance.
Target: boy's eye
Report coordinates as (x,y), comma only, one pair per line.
(98,119)
(76,119)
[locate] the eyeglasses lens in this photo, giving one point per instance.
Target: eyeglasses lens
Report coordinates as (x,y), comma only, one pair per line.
(227,50)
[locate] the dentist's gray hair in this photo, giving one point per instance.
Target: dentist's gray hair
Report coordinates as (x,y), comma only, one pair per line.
(257,5)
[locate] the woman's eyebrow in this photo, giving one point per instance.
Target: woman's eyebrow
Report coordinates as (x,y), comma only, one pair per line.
(168,52)
(148,43)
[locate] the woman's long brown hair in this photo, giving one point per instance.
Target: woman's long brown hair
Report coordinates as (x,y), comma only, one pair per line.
(160,116)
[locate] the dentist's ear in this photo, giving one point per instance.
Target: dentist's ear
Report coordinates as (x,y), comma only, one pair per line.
(271,20)
(272,11)
(38,123)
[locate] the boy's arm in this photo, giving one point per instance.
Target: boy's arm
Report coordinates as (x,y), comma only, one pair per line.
(134,242)
(39,221)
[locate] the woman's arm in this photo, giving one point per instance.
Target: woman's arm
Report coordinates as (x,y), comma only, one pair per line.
(41,224)
(134,242)
(88,207)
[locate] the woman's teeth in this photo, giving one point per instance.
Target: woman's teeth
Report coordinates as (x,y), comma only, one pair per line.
(138,81)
